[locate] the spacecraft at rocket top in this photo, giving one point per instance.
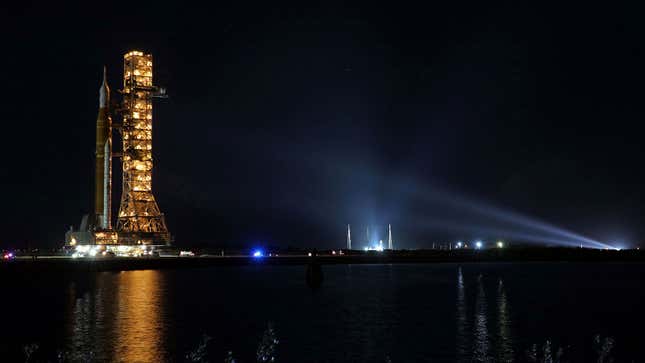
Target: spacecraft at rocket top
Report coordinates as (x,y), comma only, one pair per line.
(103,176)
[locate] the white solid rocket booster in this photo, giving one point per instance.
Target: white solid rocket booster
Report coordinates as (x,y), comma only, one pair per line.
(107,186)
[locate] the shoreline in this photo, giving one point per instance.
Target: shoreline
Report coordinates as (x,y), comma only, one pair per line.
(50,264)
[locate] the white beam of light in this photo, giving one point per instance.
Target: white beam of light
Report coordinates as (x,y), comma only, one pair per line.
(531,223)
(513,233)
(545,232)
(509,223)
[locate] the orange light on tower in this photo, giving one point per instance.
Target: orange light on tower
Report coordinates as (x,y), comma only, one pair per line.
(140,221)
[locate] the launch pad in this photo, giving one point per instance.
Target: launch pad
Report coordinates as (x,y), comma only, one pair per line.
(139,221)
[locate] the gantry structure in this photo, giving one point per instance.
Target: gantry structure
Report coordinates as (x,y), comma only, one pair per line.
(139,221)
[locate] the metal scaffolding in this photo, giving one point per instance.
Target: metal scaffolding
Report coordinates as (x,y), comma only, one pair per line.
(140,221)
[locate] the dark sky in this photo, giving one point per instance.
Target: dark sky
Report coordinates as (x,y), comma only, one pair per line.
(286,122)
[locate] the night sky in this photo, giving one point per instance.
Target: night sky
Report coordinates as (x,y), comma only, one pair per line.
(286,122)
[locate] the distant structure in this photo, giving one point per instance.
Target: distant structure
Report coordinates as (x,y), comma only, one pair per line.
(140,221)
(367,235)
(349,238)
(377,244)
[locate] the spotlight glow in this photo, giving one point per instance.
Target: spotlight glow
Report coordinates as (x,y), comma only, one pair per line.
(378,248)
(82,248)
(258,254)
(480,217)
(478,245)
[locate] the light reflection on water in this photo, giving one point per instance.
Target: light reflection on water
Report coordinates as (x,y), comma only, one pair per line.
(463,351)
(474,340)
(412,313)
(504,323)
(480,350)
(89,317)
(139,322)
(121,320)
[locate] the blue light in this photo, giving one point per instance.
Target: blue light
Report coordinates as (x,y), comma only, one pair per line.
(478,244)
(258,253)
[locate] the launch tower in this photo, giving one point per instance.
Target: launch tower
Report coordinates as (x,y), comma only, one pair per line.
(139,221)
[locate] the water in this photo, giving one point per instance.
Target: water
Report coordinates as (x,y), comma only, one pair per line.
(362,313)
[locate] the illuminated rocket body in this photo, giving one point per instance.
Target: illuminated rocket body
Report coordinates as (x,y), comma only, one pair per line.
(103,176)
(389,237)
(349,238)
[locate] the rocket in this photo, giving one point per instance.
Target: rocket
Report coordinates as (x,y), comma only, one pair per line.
(103,176)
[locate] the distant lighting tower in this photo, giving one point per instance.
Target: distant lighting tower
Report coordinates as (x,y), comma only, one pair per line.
(349,238)
(459,244)
(367,233)
(500,244)
(389,237)
(478,244)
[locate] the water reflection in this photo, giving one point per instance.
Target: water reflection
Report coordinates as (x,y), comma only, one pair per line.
(463,353)
(117,317)
(139,324)
(504,324)
(480,351)
(483,347)
(89,317)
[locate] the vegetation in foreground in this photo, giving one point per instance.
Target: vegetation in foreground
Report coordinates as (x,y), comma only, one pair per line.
(267,352)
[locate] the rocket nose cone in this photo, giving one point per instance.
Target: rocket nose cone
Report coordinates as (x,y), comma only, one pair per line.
(104,91)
